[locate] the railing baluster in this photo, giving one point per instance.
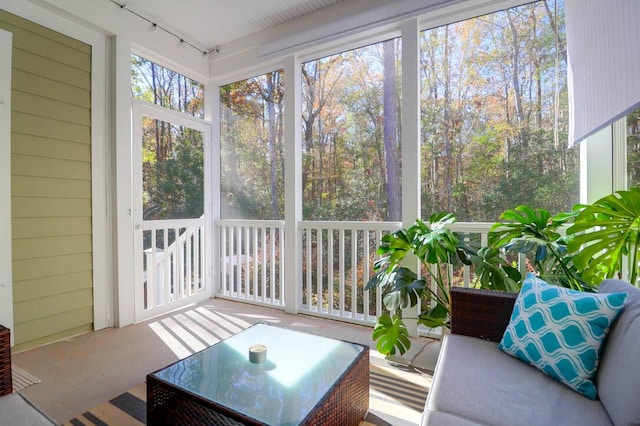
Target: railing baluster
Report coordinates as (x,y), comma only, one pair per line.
(330,272)
(378,292)
(282,261)
(188,264)
(341,276)
(224,284)
(254,264)
(247,271)
(309,262)
(319,261)
(198,252)
(263,263)
(151,274)
(366,260)
(354,273)
(272,269)
(179,265)
(166,282)
(233,284)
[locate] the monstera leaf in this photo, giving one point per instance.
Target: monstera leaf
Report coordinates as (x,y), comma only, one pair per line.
(606,232)
(404,288)
(438,316)
(390,334)
(525,228)
(434,243)
(528,230)
(493,271)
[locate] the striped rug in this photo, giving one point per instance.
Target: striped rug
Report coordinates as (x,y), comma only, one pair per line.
(22,379)
(397,398)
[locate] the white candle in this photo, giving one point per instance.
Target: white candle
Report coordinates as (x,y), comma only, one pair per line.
(257,353)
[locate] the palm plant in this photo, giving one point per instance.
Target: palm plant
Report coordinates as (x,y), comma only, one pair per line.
(606,237)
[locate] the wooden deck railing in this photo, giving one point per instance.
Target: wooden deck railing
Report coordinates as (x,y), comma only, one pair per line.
(337,261)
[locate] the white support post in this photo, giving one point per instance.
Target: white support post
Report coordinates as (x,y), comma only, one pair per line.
(619,154)
(102,189)
(6,278)
(121,114)
(596,166)
(212,114)
(293,183)
(411,140)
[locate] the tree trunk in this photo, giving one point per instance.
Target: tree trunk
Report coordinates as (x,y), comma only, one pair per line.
(515,79)
(390,118)
(447,130)
(271,125)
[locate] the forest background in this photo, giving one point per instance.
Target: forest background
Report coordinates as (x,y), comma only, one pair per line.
(494,112)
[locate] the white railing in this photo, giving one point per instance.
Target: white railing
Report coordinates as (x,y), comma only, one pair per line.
(174,263)
(252,261)
(337,262)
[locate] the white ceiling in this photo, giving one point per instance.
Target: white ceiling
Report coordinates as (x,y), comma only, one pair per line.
(210,23)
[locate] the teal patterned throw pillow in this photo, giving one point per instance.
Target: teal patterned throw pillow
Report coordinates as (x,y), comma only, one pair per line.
(561,331)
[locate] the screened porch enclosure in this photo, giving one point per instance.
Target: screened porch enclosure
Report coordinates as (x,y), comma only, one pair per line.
(491,105)
(469,117)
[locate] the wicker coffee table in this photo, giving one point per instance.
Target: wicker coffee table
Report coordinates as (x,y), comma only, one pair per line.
(305,379)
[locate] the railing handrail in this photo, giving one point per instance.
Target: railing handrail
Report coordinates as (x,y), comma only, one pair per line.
(249,222)
(375,225)
(152,225)
(347,225)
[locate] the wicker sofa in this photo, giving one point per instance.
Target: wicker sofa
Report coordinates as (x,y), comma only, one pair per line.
(476,383)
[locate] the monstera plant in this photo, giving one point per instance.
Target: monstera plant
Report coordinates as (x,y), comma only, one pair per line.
(576,249)
(436,248)
(538,233)
(605,238)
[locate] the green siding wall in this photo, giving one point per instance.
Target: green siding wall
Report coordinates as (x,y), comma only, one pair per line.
(50,183)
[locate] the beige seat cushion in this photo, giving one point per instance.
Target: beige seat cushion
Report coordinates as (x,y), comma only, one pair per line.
(479,383)
(618,379)
(16,411)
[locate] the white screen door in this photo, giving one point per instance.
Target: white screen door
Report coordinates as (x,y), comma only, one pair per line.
(171,178)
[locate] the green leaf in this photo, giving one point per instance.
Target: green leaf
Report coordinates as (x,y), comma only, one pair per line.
(390,335)
(438,316)
(492,271)
(404,289)
(605,232)
(525,230)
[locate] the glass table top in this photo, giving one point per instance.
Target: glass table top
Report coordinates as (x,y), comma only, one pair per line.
(298,371)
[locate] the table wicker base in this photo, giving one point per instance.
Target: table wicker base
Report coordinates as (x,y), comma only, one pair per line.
(345,404)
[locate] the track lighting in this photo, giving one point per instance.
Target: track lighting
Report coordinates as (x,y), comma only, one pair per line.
(155,27)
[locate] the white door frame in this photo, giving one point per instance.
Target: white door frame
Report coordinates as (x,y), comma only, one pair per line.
(6,276)
(143,109)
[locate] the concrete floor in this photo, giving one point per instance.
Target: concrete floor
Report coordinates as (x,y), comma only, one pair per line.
(81,372)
